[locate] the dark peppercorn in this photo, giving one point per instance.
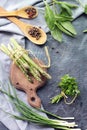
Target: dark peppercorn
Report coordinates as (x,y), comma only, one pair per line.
(31,12)
(35,32)
(53,48)
(57,52)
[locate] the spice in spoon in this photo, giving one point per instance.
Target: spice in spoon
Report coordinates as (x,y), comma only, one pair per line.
(31,12)
(35,32)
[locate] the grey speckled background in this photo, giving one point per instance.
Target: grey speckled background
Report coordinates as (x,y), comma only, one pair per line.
(68,57)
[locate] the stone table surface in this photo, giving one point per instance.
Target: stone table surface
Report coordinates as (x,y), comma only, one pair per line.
(68,57)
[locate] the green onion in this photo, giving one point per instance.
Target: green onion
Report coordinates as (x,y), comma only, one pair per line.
(31,115)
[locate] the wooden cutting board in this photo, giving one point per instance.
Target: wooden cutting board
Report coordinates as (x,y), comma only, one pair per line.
(19,80)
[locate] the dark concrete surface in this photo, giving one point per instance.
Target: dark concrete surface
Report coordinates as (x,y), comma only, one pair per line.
(70,57)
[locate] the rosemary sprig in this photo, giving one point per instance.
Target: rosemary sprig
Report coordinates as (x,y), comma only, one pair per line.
(21,58)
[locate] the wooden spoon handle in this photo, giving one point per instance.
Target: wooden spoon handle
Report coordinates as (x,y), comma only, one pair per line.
(19,23)
(16,21)
(5,14)
(33,99)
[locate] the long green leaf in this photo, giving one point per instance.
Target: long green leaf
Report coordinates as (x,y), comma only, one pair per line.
(63,29)
(85,9)
(66,27)
(70,5)
(69,27)
(63,18)
(49,16)
(66,3)
(85,31)
(65,6)
(57,34)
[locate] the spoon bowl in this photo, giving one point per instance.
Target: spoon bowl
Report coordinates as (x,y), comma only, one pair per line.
(24,27)
(41,39)
(28,12)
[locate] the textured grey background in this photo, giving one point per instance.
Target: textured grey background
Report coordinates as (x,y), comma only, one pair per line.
(70,57)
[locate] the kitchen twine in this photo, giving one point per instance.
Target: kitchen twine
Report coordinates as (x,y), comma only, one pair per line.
(65,98)
(17,53)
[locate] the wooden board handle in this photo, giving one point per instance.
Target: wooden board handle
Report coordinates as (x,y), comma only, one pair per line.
(33,99)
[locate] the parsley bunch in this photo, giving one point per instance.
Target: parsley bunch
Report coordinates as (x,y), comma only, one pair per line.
(69,87)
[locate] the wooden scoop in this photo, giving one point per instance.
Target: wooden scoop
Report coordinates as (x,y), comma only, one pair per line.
(20,81)
(24,27)
(23,12)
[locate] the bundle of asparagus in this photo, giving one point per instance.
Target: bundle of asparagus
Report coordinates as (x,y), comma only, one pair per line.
(21,58)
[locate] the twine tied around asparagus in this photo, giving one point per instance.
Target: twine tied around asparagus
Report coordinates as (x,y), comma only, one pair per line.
(17,54)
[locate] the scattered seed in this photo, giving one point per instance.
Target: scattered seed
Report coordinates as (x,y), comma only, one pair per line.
(57,52)
(53,48)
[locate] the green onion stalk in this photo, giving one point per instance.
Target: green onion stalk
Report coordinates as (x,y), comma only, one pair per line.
(21,58)
(30,114)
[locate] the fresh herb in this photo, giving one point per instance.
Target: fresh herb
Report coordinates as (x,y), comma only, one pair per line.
(60,21)
(69,87)
(21,58)
(85,9)
(65,7)
(83,6)
(30,114)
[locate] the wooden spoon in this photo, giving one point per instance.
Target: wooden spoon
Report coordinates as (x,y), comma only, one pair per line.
(23,12)
(19,80)
(25,28)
